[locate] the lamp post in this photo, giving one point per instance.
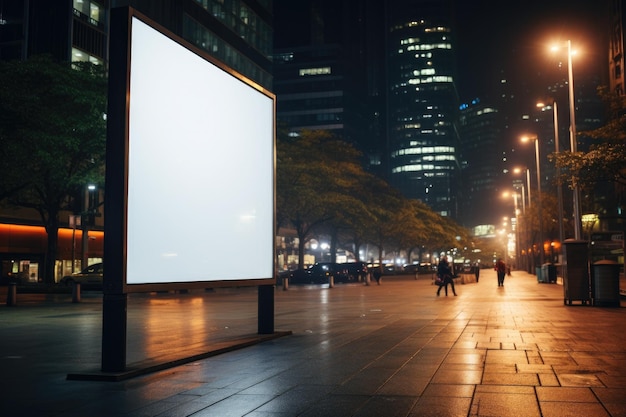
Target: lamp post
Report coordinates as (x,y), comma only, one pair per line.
(527,232)
(517,224)
(85,216)
(559,187)
(517,171)
(539,211)
(517,251)
(572,135)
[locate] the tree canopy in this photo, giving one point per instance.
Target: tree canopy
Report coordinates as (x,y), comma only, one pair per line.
(322,189)
(604,160)
(52,137)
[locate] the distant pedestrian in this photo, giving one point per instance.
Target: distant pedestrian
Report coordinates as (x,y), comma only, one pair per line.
(500,271)
(445,273)
(477,271)
(378,274)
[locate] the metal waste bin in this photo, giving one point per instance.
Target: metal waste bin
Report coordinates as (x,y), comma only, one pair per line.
(548,273)
(605,283)
(539,273)
(576,272)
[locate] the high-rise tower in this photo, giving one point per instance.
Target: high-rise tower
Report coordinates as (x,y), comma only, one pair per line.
(422,103)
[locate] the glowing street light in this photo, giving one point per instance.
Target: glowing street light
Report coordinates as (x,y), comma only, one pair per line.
(539,211)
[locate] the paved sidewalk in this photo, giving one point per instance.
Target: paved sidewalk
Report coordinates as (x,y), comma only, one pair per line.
(390,350)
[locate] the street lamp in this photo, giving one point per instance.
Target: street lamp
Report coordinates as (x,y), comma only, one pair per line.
(526,234)
(539,211)
(517,171)
(517,224)
(85,216)
(559,187)
(572,135)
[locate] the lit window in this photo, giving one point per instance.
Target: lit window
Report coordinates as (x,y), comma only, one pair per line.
(94,12)
(314,71)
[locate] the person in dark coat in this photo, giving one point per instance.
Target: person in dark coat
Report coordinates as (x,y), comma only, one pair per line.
(445,273)
(500,271)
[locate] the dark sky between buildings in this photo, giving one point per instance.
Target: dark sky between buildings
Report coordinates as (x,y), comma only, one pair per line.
(492,36)
(516,35)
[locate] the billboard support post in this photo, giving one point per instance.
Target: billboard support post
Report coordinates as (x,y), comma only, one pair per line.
(114,332)
(266,309)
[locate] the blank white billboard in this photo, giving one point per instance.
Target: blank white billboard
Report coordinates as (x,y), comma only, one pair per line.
(200,204)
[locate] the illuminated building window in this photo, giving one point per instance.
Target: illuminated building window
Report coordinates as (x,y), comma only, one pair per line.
(92,10)
(314,71)
(79,55)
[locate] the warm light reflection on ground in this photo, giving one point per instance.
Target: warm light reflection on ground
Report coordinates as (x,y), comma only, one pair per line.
(197,319)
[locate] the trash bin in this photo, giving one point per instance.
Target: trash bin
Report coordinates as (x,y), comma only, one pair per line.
(605,283)
(539,273)
(549,273)
(576,272)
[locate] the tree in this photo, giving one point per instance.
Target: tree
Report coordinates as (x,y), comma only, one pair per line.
(313,176)
(52,135)
(386,209)
(604,161)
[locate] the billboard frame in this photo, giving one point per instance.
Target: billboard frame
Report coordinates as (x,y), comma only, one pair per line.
(115,286)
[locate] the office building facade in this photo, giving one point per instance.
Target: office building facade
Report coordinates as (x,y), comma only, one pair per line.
(480,199)
(422,103)
(324,78)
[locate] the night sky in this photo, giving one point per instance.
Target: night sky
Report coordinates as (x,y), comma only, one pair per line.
(515,35)
(493,36)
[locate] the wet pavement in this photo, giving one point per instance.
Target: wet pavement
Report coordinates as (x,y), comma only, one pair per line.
(394,349)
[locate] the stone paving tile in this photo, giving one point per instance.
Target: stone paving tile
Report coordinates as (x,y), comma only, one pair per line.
(502,368)
(381,406)
(510,379)
(548,380)
(488,345)
(465,344)
(441,406)
(449,390)
(610,395)
(490,404)
(534,357)
(458,377)
(569,409)
(505,389)
(579,380)
(404,384)
(534,368)
(465,358)
(613,381)
(557,358)
(506,356)
(584,395)
(615,409)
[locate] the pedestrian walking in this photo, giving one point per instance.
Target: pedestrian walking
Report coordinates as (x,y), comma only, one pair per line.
(500,271)
(445,273)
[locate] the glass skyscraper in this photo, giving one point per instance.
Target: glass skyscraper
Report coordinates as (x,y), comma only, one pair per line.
(422,103)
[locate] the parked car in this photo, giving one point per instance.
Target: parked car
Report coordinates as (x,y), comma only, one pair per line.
(89,277)
(355,271)
(423,267)
(318,273)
